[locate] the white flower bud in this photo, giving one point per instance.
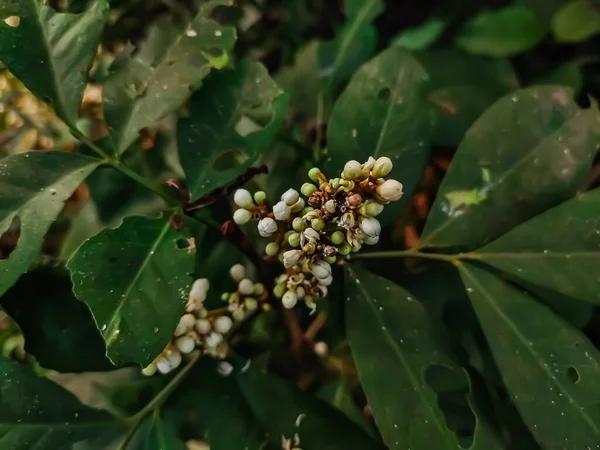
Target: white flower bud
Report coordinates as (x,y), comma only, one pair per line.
(323,290)
(237,272)
(298,206)
(311,235)
(185,344)
(174,358)
(242,216)
(186,323)
(390,190)
(246,287)
(291,258)
(382,167)
(223,324)
(330,206)
(321,270)
(321,349)
(289,299)
(351,170)
(266,227)
(326,281)
(238,315)
(300,292)
(371,240)
(163,365)
(243,198)
(370,226)
(290,197)
(281,211)
(149,370)
(213,340)
(202,326)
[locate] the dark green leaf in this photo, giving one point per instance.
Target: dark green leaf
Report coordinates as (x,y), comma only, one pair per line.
(162,75)
(390,333)
(568,74)
(555,382)
(59,329)
(37,414)
(156,433)
(528,152)
(576,21)
(86,224)
(33,189)
(504,32)
(388,90)
(558,249)
(212,150)
(50,52)
(420,37)
(136,281)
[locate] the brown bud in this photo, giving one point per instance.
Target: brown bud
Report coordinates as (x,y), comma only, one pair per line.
(353,201)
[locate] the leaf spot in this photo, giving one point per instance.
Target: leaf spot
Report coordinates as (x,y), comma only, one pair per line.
(12,21)
(191,33)
(385,94)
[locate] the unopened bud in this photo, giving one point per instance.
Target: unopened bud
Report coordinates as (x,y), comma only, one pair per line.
(246,287)
(367,167)
(390,190)
(289,300)
(266,227)
(242,216)
(370,226)
(326,281)
(294,239)
(199,290)
(371,240)
(321,270)
(330,206)
(243,199)
(298,206)
(311,235)
(382,167)
(338,238)
(351,170)
(281,211)
(354,200)
(291,258)
(308,189)
(237,272)
(344,249)
(272,248)
(260,196)
(185,344)
(279,290)
(314,173)
(213,340)
(223,324)
(290,197)
(317,224)
(299,224)
(371,209)
(186,323)
(251,304)
(202,326)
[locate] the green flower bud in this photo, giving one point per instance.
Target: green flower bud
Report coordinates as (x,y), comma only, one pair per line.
(288,234)
(251,304)
(338,238)
(317,224)
(370,208)
(351,170)
(266,307)
(259,289)
(234,297)
(294,239)
(299,224)
(260,196)
(272,248)
(314,173)
(202,313)
(225,296)
(382,167)
(306,210)
(279,290)
(308,189)
(344,249)
(331,259)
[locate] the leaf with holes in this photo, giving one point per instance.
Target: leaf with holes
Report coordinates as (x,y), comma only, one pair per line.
(389,90)
(162,75)
(37,413)
(554,383)
(135,280)
(51,52)
(30,204)
(59,330)
(576,21)
(389,332)
(222,137)
(528,152)
(558,249)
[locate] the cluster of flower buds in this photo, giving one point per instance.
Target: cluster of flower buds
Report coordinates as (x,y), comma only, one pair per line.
(337,218)
(248,298)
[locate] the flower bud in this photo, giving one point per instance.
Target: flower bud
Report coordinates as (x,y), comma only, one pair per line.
(163,365)
(338,238)
(186,323)
(202,326)
(367,167)
(370,209)
(238,315)
(322,290)
(308,189)
(149,370)
(299,224)
(311,235)
(174,358)
(260,196)
(326,281)
(213,340)
(317,224)
(314,173)
(291,258)
(306,210)
(272,248)
(298,206)
(347,220)
(225,296)
(279,290)
(251,304)
(300,292)
(199,290)
(281,211)
(242,216)
(266,227)
(390,190)
(246,287)
(259,289)
(354,200)
(371,240)
(370,226)
(237,272)
(321,349)
(289,299)
(331,259)
(351,170)
(185,344)
(382,167)
(223,324)
(294,239)
(321,270)
(243,199)
(330,206)
(290,197)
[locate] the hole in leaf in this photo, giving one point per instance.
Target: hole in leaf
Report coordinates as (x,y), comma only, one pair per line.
(385,94)
(112,259)
(12,21)
(573,374)
(10,238)
(182,243)
(229,160)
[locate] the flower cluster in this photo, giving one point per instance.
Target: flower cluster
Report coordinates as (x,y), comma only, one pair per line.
(338,217)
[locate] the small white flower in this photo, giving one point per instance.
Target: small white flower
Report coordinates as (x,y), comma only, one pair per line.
(289,299)
(298,206)
(246,287)
(223,324)
(266,227)
(370,226)
(237,272)
(186,323)
(311,235)
(185,344)
(168,361)
(290,197)
(242,216)
(390,190)
(330,206)
(243,198)
(213,340)
(202,326)
(368,166)
(300,292)
(346,221)
(371,240)
(291,258)
(321,270)
(281,211)
(163,365)
(321,349)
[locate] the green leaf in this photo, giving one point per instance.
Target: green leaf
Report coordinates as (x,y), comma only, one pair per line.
(83,226)
(461,88)
(156,433)
(354,44)
(59,330)
(51,52)
(558,249)
(420,37)
(528,152)
(568,74)
(35,201)
(391,333)
(37,413)
(504,32)
(286,411)
(135,280)
(163,74)
(554,382)
(213,148)
(576,21)
(389,91)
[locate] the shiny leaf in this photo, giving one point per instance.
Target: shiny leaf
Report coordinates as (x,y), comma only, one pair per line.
(554,382)
(136,281)
(528,152)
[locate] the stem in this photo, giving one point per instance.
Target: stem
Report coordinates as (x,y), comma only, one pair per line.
(406,254)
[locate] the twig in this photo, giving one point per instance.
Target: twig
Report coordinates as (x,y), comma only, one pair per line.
(313,329)
(296,335)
